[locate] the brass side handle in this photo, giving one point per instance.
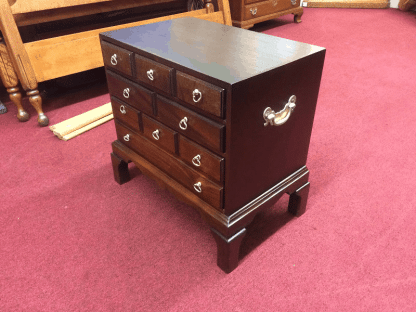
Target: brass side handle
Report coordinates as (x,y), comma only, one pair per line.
(277,119)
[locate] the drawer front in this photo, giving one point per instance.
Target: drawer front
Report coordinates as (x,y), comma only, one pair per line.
(201,94)
(117,58)
(160,135)
(191,124)
(126,114)
(202,187)
(130,92)
(268,7)
(201,159)
(154,74)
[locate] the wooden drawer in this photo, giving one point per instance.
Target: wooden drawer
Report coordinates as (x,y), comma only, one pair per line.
(191,124)
(126,114)
(207,190)
(130,92)
(201,159)
(268,7)
(201,94)
(154,74)
(160,135)
(117,58)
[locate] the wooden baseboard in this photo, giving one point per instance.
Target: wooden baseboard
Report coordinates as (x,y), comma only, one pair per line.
(352,4)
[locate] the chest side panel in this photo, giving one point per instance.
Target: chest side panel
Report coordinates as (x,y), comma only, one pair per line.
(259,156)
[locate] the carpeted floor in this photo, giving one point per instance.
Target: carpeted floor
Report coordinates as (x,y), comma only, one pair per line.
(71,239)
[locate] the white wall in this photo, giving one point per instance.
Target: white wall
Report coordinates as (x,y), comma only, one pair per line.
(394,3)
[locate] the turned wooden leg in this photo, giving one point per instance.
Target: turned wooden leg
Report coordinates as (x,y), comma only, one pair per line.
(36,101)
(298,200)
(10,81)
(228,249)
(297,16)
(16,97)
(121,169)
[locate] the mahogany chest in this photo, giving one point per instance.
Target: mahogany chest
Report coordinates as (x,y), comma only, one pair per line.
(246,13)
(220,116)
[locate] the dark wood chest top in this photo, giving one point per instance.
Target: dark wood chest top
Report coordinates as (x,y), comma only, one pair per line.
(226,53)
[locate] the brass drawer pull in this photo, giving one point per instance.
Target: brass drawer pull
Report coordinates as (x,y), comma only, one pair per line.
(197,160)
(253,11)
(155,134)
(126,93)
(150,74)
(293,2)
(122,109)
(183,123)
(275,2)
(126,137)
(197,187)
(279,118)
(196,95)
(114,59)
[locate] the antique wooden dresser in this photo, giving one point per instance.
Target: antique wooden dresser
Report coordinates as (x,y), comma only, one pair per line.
(220,116)
(246,13)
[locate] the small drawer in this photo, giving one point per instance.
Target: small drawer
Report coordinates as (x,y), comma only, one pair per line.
(268,7)
(201,94)
(117,58)
(126,114)
(154,74)
(191,124)
(160,135)
(201,159)
(130,92)
(208,191)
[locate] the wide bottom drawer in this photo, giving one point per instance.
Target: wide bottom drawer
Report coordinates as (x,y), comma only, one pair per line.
(178,170)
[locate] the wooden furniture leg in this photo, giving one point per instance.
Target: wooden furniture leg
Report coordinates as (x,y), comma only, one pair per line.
(120,168)
(228,249)
(16,97)
(10,81)
(298,15)
(20,59)
(298,200)
(36,101)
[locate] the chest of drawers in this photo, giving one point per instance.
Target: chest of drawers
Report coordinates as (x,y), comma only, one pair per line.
(246,13)
(208,111)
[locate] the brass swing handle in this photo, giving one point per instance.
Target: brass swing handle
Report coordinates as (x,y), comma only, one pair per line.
(279,118)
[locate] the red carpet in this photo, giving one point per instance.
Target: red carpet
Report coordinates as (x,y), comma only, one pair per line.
(71,239)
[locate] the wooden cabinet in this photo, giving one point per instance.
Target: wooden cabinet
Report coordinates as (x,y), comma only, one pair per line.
(246,13)
(218,115)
